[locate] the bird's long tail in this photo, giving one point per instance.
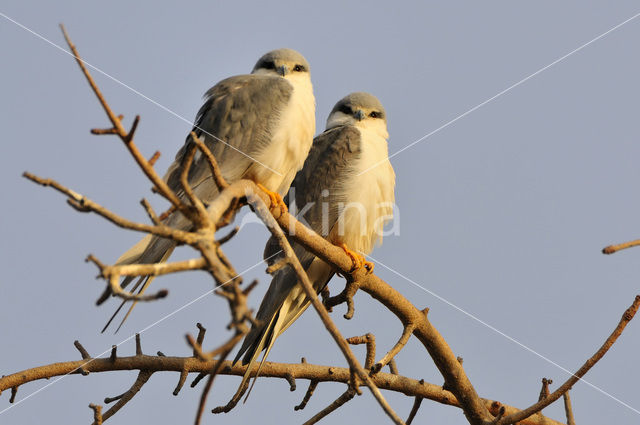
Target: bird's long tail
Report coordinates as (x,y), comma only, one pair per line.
(282,306)
(151,249)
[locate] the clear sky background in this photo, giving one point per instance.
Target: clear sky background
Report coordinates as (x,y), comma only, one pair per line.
(503,213)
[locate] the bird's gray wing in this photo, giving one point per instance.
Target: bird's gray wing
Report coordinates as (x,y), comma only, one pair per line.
(330,161)
(321,180)
(236,122)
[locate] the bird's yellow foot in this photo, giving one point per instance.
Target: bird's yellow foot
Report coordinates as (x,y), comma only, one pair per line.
(357,260)
(276,199)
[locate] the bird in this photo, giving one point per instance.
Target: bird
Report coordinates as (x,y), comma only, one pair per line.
(345,193)
(258,126)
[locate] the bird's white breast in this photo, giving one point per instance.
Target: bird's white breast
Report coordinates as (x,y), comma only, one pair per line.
(369,193)
(291,139)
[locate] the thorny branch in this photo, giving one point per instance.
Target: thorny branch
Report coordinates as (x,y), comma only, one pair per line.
(220,212)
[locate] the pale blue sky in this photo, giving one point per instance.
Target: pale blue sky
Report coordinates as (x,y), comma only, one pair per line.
(503,213)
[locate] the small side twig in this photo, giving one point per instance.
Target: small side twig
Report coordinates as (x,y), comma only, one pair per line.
(544,391)
(345,397)
(404,338)
(393,367)
(181,380)
(197,379)
(307,396)
(125,397)
(138,345)
(612,249)
(414,409)
(211,160)
(370,340)
(568,410)
(346,296)
(97,413)
(200,339)
(83,352)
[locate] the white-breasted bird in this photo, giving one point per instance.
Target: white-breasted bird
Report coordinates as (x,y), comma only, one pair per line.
(258,126)
(341,197)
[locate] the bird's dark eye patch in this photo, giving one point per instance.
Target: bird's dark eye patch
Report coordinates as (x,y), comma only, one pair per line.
(375,114)
(345,109)
(299,68)
(269,64)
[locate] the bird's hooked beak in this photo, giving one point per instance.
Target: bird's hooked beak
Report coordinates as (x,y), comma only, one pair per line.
(359,114)
(283,70)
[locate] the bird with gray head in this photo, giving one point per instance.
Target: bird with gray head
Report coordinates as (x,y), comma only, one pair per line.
(258,126)
(344,192)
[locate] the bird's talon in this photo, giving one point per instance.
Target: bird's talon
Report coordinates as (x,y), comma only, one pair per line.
(276,199)
(369,266)
(357,260)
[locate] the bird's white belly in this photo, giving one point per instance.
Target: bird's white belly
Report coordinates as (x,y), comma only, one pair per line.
(290,142)
(369,196)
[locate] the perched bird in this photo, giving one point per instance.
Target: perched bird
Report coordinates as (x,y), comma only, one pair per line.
(340,197)
(258,126)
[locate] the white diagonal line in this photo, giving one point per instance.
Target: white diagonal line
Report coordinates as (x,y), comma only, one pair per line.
(141,331)
(480,105)
(137,92)
(531,350)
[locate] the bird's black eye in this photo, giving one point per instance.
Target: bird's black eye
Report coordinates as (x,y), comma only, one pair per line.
(375,114)
(299,68)
(268,64)
(345,109)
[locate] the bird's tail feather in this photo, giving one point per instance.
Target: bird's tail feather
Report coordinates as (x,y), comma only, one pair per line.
(253,352)
(150,249)
(294,304)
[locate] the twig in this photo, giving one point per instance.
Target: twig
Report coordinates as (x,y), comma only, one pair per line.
(345,397)
(346,296)
(83,352)
(181,380)
(544,391)
(125,136)
(138,345)
(393,367)
(201,218)
(201,332)
(154,158)
(150,212)
(404,338)
(568,410)
(414,409)
(612,249)
(197,349)
(84,204)
(97,413)
(125,397)
(370,340)
(211,160)
(626,318)
(307,396)
(216,369)
(197,379)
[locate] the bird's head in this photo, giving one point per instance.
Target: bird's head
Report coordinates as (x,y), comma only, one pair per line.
(359,109)
(286,63)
